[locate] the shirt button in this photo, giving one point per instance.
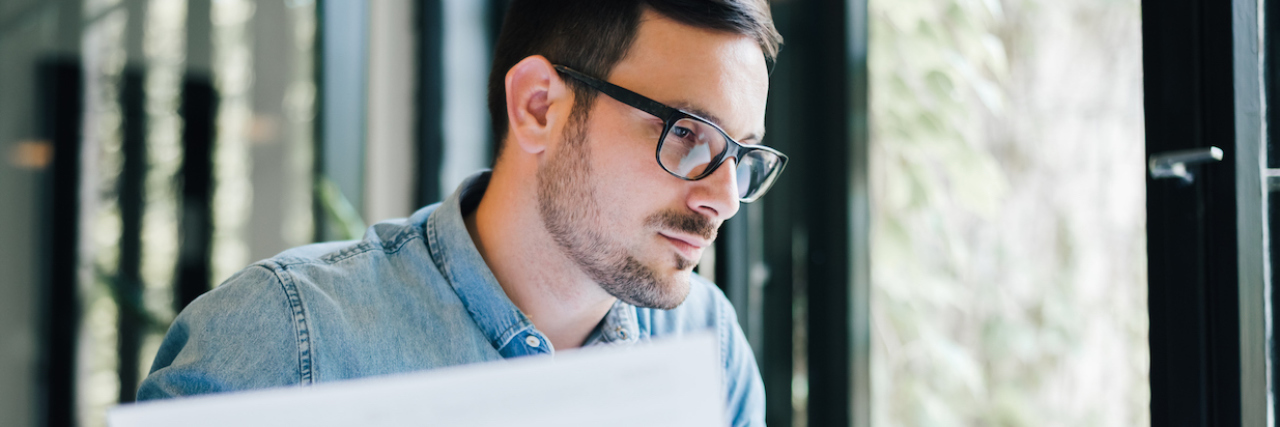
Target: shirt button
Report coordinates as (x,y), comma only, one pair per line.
(532,341)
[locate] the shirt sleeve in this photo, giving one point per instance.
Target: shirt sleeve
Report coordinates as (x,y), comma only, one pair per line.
(243,335)
(744,388)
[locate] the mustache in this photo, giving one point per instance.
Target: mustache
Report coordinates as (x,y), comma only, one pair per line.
(688,222)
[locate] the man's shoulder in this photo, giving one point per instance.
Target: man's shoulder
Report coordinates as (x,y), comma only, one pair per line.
(331,266)
(384,238)
(387,237)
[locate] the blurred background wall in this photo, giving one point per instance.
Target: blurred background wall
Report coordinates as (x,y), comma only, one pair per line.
(154,147)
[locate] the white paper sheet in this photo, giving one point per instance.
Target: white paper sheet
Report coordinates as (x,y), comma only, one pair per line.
(667,383)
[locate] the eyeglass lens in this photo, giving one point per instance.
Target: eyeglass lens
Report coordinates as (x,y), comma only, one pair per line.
(758,169)
(690,146)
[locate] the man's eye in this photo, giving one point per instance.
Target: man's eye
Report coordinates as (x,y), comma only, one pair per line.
(681,132)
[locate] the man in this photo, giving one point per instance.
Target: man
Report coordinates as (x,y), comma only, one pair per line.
(585,232)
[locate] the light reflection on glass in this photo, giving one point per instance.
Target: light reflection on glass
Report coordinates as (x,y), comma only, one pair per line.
(299,108)
(233,192)
(92,8)
(164,43)
(104,58)
(1008,260)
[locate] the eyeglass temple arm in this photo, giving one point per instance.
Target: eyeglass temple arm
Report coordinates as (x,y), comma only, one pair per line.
(621,94)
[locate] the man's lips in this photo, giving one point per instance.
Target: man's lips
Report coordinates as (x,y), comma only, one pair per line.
(689,246)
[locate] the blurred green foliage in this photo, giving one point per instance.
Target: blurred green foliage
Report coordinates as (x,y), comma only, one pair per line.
(1008,231)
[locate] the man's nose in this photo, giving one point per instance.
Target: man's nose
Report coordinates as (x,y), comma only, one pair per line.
(716,195)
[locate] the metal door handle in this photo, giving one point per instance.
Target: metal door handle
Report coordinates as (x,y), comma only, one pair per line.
(1173,164)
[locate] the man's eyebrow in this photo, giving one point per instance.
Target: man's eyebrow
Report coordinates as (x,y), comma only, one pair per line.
(689,108)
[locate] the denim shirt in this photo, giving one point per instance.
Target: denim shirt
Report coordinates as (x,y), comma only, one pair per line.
(413,294)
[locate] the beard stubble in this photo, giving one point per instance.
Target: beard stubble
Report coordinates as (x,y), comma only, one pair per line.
(571,214)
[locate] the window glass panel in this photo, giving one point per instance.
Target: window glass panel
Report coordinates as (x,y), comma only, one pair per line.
(104,57)
(164,44)
(1008,229)
(264,112)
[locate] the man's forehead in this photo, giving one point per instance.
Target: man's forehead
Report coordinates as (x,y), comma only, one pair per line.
(689,107)
(716,75)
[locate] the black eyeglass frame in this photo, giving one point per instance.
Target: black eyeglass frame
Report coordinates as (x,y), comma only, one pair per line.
(670,116)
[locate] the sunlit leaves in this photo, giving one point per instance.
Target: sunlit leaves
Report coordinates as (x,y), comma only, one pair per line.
(1007,264)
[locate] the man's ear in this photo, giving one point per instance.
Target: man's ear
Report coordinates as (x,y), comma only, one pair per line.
(537,100)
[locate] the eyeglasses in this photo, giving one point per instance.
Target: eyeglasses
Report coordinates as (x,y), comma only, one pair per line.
(691,148)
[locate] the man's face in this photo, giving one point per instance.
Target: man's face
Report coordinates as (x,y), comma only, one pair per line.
(631,226)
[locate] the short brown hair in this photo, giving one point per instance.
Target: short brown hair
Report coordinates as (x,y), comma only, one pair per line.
(591,36)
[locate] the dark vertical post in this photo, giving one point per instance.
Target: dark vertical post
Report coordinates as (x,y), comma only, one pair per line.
(783,293)
(127,285)
(1191,229)
(59,107)
(198,108)
(318,217)
(430,99)
(497,13)
(734,259)
(1178,327)
(817,217)
(838,285)
(199,111)
(1221,268)
(816,237)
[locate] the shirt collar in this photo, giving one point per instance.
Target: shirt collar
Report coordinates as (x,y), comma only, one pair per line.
(508,329)
(619,326)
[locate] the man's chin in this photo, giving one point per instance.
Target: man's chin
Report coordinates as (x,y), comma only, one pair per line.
(663,296)
(685,265)
(670,299)
(677,288)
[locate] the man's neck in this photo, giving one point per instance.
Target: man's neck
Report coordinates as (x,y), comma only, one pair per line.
(561,300)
